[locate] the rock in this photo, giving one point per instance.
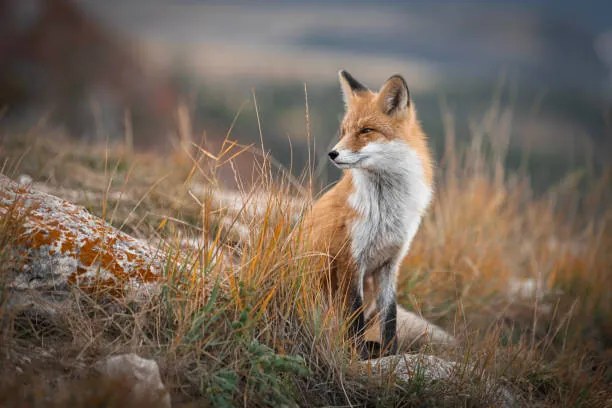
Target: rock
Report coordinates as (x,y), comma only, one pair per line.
(61,245)
(412,330)
(250,206)
(430,368)
(525,289)
(24,179)
(141,374)
(404,366)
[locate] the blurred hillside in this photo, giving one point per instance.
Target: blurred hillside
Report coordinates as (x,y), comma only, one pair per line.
(101,69)
(59,64)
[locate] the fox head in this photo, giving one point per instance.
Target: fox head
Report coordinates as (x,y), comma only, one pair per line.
(378,128)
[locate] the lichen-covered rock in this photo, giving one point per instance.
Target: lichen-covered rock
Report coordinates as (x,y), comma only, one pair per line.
(61,245)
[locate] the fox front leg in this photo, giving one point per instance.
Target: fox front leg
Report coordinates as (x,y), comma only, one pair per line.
(357,316)
(386,304)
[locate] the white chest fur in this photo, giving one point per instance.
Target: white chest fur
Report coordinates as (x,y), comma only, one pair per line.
(390,199)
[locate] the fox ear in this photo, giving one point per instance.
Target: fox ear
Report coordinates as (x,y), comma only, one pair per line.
(394,97)
(350,87)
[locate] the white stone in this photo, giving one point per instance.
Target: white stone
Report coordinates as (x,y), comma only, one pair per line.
(431,368)
(404,366)
(143,374)
(24,179)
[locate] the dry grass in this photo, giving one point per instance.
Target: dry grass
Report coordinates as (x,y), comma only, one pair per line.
(522,280)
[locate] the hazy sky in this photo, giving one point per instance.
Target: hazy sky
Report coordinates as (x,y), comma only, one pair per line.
(563,41)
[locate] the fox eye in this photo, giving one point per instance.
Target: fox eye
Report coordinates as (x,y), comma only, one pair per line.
(365,130)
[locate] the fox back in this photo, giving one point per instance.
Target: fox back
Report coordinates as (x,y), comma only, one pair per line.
(367,221)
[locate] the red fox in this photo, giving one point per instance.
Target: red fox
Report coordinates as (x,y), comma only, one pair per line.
(367,221)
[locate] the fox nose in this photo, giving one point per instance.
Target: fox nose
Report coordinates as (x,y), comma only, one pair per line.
(333,154)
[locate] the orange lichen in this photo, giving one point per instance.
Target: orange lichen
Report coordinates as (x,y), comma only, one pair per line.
(67,244)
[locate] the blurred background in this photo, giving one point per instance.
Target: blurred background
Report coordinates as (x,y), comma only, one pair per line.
(143,72)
